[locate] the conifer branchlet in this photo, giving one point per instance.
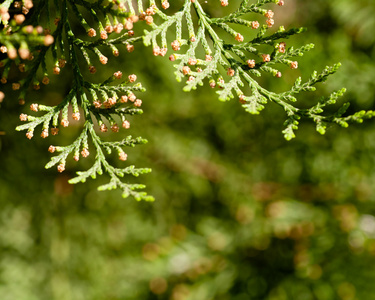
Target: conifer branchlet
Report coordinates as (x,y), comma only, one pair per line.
(34,30)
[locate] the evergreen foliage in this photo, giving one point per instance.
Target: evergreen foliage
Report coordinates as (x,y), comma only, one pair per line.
(229,52)
(240,213)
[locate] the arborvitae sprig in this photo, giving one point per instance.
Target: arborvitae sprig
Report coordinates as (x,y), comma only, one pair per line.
(241,59)
(229,53)
(101,105)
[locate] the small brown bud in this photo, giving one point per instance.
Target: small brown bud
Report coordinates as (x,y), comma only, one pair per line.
(255,25)
(239,37)
(97,104)
(163,51)
(126,124)
(56,70)
(149,20)
(132,78)
(128,24)
(142,16)
(48,40)
(103,59)
(64,123)
(29,29)
(112,101)
(21,67)
(192,61)
(270,22)
(115,128)
(15,86)
(91,32)
(29,135)
(266,57)
(242,99)
(28,4)
(24,53)
(107,104)
(62,63)
(19,19)
(103,35)
(51,149)
(130,48)
(230,72)
(92,69)
(165,4)
(123,156)
(282,46)
(45,80)
(175,45)
(103,128)
(109,28)
(138,103)
(5,16)
(186,70)
(156,51)
(23,117)
(39,29)
(54,131)
(12,53)
(251,63)
(294,65)
(269,14)
(118,75)
(134,18)
(151,10)
(34,107)
(118,28)
(44,133)
(61,167)
(132,97)
(85,152)
(76,116)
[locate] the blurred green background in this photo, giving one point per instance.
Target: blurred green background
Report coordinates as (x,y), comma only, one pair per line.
(239,213)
